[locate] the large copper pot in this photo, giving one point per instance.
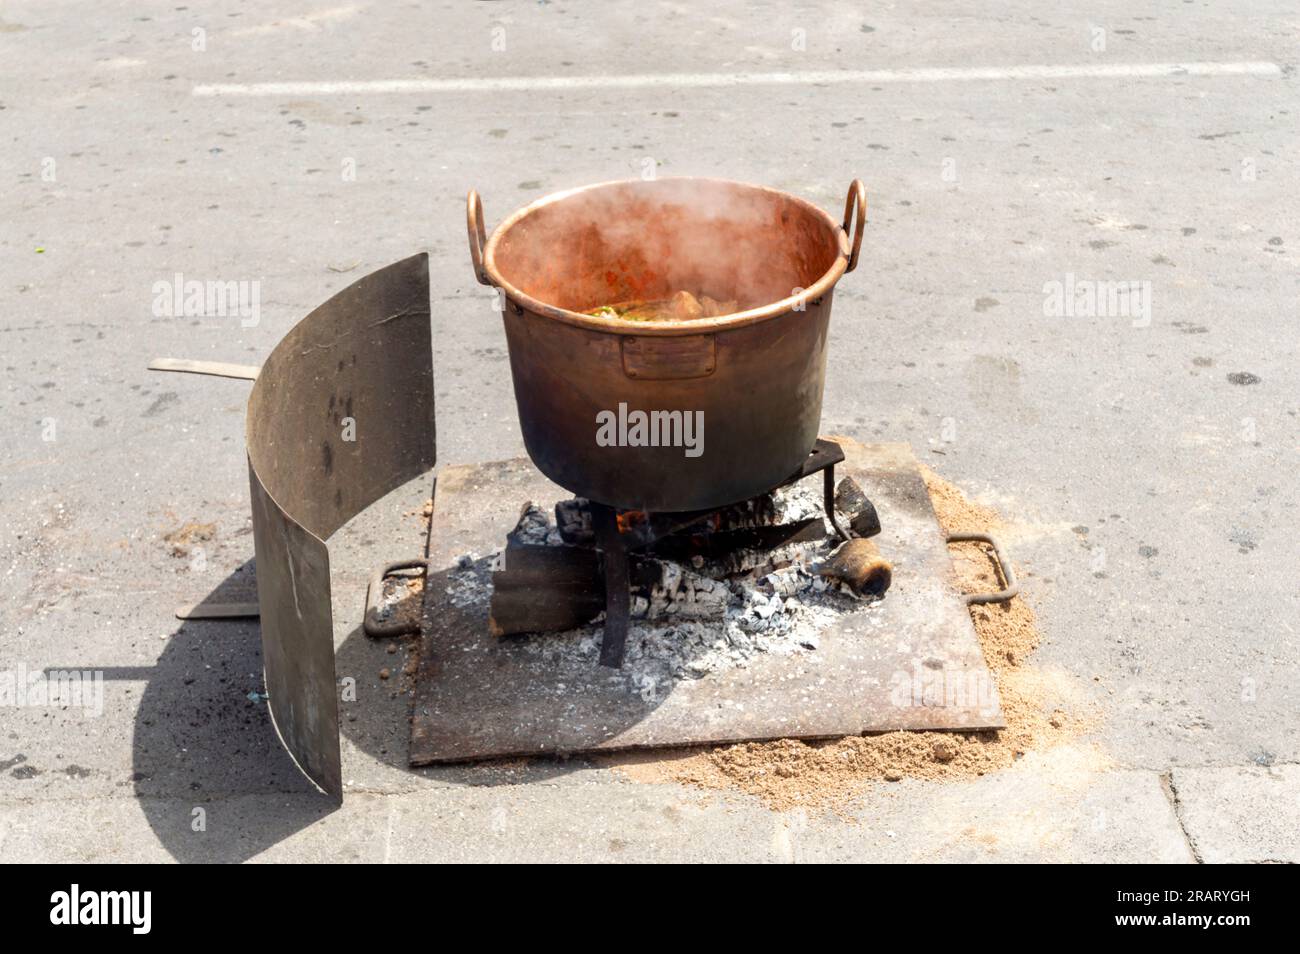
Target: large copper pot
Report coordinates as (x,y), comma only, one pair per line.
(755,376)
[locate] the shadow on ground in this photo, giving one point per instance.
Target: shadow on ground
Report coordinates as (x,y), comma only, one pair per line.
(203,728)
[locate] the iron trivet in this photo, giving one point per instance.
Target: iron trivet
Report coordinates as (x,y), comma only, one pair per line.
(618,544)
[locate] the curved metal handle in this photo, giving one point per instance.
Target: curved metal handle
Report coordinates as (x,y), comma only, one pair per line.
(1004,567)
(370,622)
(857,199)
(477,234)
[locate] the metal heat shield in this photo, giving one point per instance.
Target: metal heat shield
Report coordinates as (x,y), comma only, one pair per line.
(341,413)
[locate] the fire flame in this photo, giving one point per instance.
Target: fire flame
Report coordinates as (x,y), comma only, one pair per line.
(629,520)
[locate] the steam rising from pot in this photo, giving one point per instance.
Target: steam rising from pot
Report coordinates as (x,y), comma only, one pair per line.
(643,241)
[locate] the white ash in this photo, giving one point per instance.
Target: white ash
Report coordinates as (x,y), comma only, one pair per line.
(755,563)
(670,649)
(535,528)
(689,624)
(469,582)
(681,592)
(799,501)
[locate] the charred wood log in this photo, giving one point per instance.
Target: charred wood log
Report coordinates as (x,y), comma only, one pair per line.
(532,529)
(851,499)
(573,520)
(679,592)
(541,585)
(727,553)
(759,511)
(547,589)
(849,496)
(544,588)
(859,565)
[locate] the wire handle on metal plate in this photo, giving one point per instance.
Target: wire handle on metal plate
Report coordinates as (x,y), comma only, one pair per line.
(370,621)
(477,235)
(1004,567)
(857,200)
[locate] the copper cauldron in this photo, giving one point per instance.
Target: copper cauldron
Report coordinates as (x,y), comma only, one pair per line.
(729,406)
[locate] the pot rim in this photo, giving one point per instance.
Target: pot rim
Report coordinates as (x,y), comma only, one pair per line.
(622,326)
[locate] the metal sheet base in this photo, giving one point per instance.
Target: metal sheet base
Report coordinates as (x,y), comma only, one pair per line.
(912,662)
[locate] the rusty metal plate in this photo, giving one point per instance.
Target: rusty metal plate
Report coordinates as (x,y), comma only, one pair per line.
(341,413)
(912,663)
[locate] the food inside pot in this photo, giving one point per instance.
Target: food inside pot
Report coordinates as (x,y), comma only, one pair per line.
(683,306)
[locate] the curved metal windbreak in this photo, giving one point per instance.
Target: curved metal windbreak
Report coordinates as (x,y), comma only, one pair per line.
(341,413)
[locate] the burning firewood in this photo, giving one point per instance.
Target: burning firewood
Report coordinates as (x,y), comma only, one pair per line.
(729,552)
(679,592)
(859,564)
(551,577)
(574,523)
(549,588)
(573,520)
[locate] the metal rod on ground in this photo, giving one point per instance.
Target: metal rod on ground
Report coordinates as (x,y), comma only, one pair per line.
(218,611)
(221,369)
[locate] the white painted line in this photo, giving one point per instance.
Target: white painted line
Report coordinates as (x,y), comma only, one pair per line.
(936,74)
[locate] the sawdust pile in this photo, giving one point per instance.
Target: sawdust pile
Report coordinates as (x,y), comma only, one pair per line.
(789,773)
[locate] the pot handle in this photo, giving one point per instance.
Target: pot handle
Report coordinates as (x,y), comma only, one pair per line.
(477,235)
(857,200)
